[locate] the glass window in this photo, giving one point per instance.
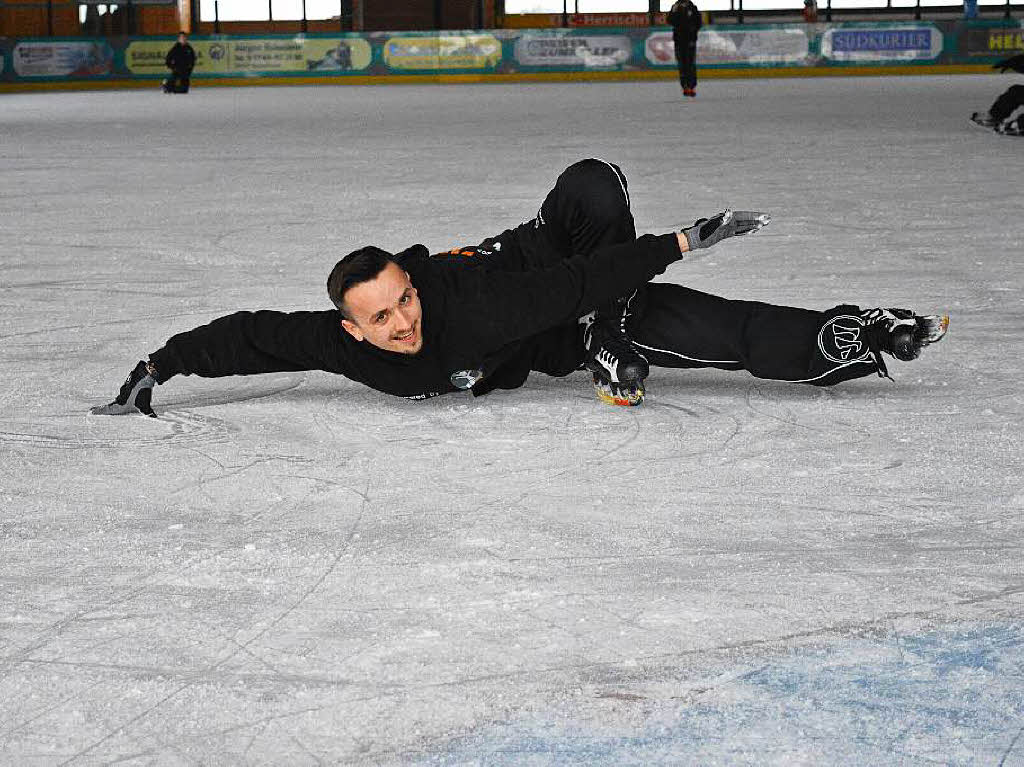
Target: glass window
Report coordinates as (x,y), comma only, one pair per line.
(235,10)
(321,9)
(287,10)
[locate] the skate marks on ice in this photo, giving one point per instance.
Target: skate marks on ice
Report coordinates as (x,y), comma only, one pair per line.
(177,420)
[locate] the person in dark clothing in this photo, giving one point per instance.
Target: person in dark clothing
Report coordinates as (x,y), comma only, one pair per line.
(1000,113)
(686,23)
(181,60)
(483,317)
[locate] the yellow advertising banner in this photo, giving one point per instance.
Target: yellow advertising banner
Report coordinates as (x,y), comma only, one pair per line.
(447,52)
(299,54)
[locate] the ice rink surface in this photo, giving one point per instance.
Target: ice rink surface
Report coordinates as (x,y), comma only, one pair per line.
(295,570)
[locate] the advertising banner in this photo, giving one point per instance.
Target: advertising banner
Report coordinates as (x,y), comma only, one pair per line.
(573,51)
(508,51)
(877,44)
(995,41)
(246,56)
(751,47)
(457,52)
(86,58)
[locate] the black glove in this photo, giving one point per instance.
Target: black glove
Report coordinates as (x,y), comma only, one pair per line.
(706,232)
(1016,63)
(135,395)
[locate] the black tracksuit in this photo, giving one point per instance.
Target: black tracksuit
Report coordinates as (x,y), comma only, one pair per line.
(686,23)
(181,60)
(510,306)
(1013,98)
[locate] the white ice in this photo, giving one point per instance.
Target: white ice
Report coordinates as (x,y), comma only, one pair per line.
(293,569)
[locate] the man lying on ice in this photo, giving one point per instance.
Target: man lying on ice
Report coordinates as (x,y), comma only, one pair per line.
(565,291)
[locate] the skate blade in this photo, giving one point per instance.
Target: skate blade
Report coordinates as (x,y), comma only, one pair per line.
(933,327)
(621,395)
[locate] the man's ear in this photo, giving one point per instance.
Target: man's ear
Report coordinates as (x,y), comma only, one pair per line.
(352,329)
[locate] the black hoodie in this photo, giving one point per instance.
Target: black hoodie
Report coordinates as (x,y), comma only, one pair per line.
(498,325)
(181,59)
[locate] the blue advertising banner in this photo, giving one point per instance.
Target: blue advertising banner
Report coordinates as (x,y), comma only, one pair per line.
(887,43)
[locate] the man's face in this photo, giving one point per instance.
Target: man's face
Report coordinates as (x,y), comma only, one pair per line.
(386,312)
(182,39)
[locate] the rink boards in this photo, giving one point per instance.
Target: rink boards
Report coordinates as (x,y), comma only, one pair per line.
(517,54)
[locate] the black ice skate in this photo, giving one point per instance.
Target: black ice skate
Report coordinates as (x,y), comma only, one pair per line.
(901,333)
(1012,127)
(136,394)
(619,370)
(984,120)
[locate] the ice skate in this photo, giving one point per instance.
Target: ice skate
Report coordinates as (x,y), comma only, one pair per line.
(901,333)
(135,395)
(691,92)
(984,120)
(619,370)
(1012,127)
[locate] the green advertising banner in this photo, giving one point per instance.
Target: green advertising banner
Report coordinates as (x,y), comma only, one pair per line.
(256,55)
(455,52)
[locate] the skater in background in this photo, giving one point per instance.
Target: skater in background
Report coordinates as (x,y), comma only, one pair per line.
(567,290)
(686,23)
(810,11)
(1000,115)
(181,59)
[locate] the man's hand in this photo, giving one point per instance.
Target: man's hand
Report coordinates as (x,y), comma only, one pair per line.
(135,395)
(1015,63)
(709,231)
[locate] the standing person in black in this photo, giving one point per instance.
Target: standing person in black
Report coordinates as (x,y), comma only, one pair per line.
(181,59)
(483,317)
(999,114)
(686,23)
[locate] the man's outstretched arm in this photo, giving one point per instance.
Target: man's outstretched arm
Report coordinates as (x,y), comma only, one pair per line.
(244,343)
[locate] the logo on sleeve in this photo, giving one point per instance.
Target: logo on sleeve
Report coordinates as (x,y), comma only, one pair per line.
(840,339)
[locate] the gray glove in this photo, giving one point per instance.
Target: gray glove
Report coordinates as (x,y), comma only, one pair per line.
(135,395)
(706,232)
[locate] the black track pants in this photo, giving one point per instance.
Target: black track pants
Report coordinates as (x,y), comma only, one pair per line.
(677,327)
(686,58)
(587,209)
(674,326)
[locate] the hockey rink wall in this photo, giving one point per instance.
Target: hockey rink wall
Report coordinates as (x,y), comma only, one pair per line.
(752,49)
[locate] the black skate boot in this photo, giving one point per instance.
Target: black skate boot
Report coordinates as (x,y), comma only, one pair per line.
(136,393)
(984,120)
(1012,127)
(901,333)
(619,369)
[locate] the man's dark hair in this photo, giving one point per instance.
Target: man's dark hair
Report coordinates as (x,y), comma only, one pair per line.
(357,267)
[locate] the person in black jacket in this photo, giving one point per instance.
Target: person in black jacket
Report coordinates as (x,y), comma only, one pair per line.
(483,317)
(181,60)
(686,23)
(1000,113)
